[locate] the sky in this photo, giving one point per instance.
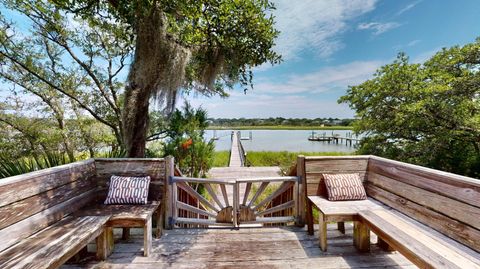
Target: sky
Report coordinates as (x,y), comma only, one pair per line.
(328,45)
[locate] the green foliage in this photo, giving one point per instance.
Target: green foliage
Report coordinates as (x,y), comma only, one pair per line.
(186,141)
(281,123)
(12,167)
(221,158)
(227,36)
(114,153)
(65,64)
(428,114)
(76,51)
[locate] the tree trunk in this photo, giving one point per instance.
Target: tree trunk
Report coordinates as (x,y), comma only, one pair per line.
(135,119)
(153,71)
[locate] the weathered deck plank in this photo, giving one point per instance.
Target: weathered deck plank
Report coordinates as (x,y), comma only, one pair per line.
(280,247)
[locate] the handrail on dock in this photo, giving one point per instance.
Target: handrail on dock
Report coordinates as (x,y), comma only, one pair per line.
(243,154)
(237,152)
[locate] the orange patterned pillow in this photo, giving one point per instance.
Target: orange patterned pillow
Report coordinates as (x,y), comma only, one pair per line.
(343,187)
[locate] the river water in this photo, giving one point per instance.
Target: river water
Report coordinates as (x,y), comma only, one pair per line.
(281,140)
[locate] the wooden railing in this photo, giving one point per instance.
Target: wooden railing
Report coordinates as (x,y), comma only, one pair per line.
(221,203)
(243,154)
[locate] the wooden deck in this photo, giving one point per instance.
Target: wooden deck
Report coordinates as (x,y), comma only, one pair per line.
(282,247)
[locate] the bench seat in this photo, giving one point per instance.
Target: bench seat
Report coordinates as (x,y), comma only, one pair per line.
(339,212)
(128,216)
(54,245)
(419,243)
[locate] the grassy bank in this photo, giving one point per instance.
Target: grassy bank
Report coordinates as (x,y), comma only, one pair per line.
(220,158)
(279,127)
(284,159)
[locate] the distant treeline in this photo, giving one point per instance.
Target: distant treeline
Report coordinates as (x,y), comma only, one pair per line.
(279,121)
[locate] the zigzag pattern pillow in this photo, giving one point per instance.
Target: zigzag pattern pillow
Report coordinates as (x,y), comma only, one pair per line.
(128,190)
(343,187)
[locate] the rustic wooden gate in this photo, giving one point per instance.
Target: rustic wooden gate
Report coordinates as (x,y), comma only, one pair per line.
(233,203)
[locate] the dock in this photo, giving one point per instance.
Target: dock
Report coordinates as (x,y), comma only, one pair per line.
(237,153)
(335,138)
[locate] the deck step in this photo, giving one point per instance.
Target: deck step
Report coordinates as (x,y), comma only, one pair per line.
(272,220)
(205,222)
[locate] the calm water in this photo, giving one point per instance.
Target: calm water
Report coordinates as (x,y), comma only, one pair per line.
(280,140)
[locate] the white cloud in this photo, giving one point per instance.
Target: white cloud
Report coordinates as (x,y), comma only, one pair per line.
(322,80)
(409,44)
(254,105)
(408,7)
(297,96)
(413,43)
(422,57)
(378,28)
(315,25)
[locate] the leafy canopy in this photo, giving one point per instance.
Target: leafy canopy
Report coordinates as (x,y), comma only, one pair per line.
(226,37)
(427,114)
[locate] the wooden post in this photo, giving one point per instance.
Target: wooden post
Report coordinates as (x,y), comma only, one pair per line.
(341,227)
(159,220)
(309,217)
(105,243)
(235,204)
(302,191)
(102,251)
(322,232)
(147,237)
(361,236)
(125,233)
(384,245)
(174,202)
(295,200)
(167,199)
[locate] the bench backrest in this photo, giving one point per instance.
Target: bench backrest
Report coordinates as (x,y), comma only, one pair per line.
(33,201)
(446,202)
(316,166)
(153,167)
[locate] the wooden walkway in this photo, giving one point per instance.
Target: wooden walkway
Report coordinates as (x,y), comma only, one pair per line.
(236,170)
(282,247)
(235,155)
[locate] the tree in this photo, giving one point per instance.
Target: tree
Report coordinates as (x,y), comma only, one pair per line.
(427,114)
(186,141)
(194,45)
(63,60)
(37,127)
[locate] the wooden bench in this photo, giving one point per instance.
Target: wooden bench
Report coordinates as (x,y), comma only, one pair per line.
(339,212)
(127,216)
(420,244)
(54,245)
(316,194)
(35,231)
(40,223)
(431,217)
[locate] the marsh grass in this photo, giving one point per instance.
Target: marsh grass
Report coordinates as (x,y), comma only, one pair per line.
(220,158)
(284,159)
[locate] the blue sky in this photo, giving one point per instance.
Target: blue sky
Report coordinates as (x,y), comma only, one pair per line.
(330,44)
